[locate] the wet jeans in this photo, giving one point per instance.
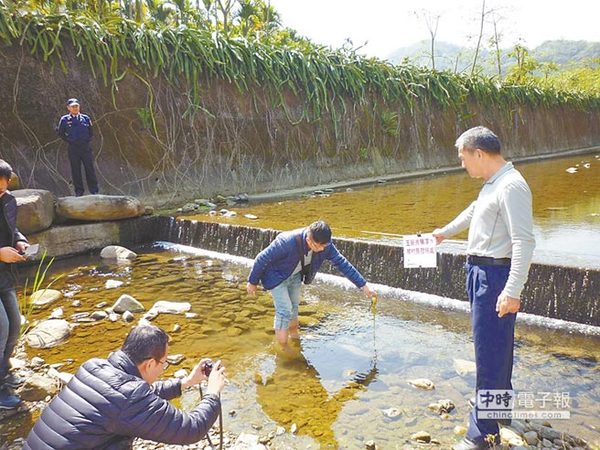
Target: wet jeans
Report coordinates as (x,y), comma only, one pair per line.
(10,325)
(286,298)
(493,338)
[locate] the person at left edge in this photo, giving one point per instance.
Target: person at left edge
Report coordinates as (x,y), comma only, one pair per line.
(12,246)
(75,129)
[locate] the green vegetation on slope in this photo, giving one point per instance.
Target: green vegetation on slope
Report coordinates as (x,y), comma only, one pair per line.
(248,52)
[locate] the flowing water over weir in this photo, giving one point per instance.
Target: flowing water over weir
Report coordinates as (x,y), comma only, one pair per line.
(347,381)
(566,293)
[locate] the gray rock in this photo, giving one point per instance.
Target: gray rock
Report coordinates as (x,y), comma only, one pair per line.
(17,363)
(175,359)
(117,252)
(127,303)
(181,373)
(519,426)
(127,316)
(35,210)
(112,284)
(550,433)
(151,315)
(45,297)
(511,437)
(37,387)
(531,437)
(93,208)
(392,413)
(167,307)
(546,443)
(247,441)
(442,406)
(80,315)
(37,362)
(464,367)
(421,436)
(48,333)
(422,383)
(176,328)
(99,315)
(460,430)
(57,313)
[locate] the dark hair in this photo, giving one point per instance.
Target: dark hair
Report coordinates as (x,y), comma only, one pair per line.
(481,138)
(320,232)
(5,170)
(145,342)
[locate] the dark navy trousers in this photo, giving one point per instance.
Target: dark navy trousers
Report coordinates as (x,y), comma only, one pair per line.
(82,154)
(493,338)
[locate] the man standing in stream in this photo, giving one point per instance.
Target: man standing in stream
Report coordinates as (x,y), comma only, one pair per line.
(499,253)
(296,256)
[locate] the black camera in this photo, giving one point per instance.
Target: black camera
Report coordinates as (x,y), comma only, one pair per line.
(207,367)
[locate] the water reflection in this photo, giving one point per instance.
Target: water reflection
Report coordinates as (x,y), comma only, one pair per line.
(348,368)
(566,208)
(294,394)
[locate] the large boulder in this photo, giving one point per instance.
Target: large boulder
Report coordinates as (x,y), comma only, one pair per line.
(35,210)
(99,207)
(48,333)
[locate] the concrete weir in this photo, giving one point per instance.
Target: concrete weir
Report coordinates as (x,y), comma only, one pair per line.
(567,293)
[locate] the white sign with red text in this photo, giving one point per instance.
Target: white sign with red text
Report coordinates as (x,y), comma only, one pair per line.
(419,251)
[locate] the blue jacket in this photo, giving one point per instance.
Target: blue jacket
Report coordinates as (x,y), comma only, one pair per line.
(276,263)
(75,129)
(107,403)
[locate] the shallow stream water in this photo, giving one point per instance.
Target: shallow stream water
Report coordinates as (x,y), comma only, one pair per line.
(566,208)
(350,365)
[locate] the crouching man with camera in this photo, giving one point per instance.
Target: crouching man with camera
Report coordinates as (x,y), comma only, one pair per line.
(293,257)
(110,402)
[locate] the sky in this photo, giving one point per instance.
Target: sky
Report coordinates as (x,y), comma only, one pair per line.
(385,25)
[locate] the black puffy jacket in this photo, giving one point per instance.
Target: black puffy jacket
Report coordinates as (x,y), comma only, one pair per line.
(107,403)
(9,204)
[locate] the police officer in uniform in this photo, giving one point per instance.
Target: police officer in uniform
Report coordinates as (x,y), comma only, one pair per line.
(76,130)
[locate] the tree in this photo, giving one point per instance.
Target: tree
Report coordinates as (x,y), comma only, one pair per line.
(432,21)
(495,43)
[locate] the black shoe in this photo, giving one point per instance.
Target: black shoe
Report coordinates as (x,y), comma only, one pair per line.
(468,444)
(13,380)
(8,401)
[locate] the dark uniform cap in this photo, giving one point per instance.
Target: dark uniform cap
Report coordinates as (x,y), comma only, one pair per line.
(72,101)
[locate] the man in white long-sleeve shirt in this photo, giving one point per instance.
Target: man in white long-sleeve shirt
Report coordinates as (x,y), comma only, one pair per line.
(499,250)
